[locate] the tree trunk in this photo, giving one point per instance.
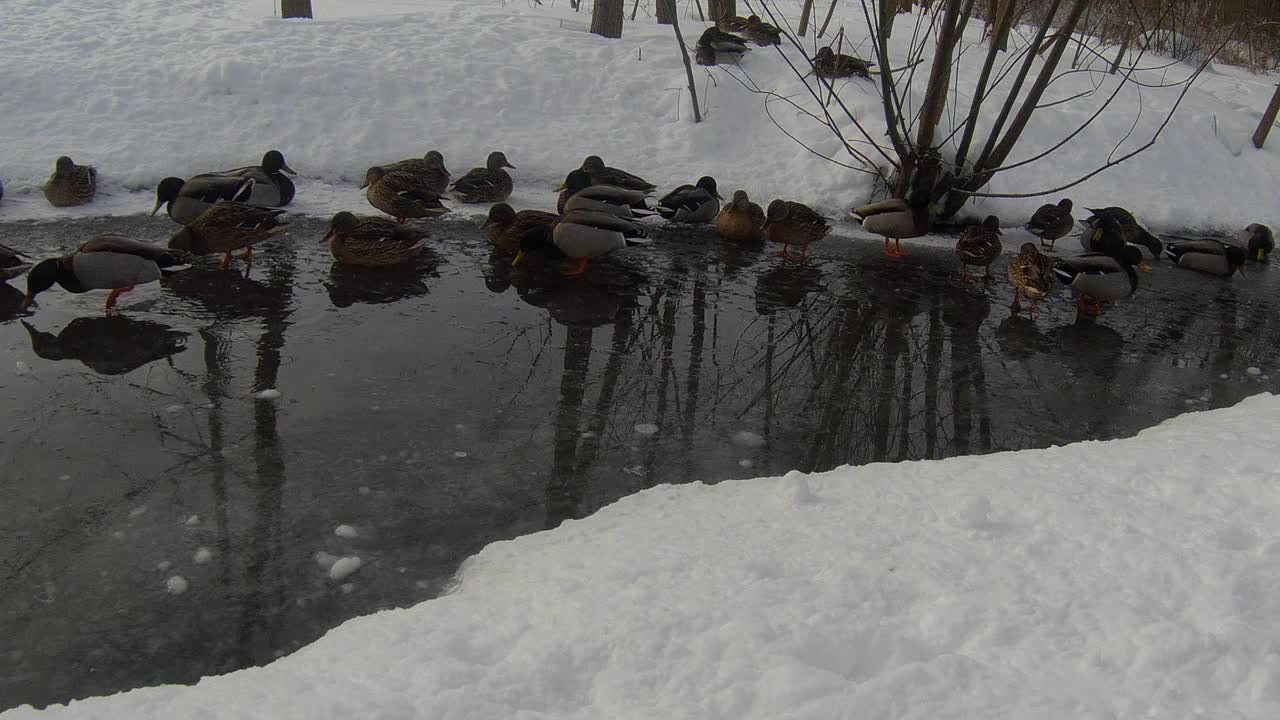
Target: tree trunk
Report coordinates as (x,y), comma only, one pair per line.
(688,69)
(720,8)
(804,17)
(666,11)
(1268,119)
(606,18)
(295,8)
(830,11)
(1124,48)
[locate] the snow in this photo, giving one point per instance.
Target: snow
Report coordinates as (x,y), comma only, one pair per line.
(175,585)
(164,566)
(1254,371)
(202,556)
(646,429)
(345,531)
(176,87)
(268,394)
(1120,579)
(193,521)
(21,368)
(344,567)
(748,439)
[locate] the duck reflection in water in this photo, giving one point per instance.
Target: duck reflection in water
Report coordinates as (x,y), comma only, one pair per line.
(785,285)
(350,284)
(110,345)
(227,294)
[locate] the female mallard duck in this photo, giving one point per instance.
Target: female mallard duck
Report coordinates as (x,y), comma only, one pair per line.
(226,227)
(71,184)
(1132,231)
(898,219)
(507,228)
(1208,256)
(698,203)
(1095,278)
(372,241)
(732,23)
(792,223)
(979,245)
(1051,222)
(579,193)
(487,184)
(585,234)
(271,187)
(761,32)
(1258,240)
(602,174)
(741,220)
(831,64)
(12,263)
(1030,274)
(107,262)
(429,168)
(185,200)
(402,195)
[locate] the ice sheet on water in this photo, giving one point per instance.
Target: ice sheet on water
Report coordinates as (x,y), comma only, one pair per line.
(202,556)
(346,531)
(344,567)
(176,585)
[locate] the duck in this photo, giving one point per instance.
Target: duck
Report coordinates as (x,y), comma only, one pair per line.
(429,168)
(1030,274)
(732,23)
(1095,278)
(1213,257)
(271,185)
(1051,222)
(402,195)
(106,262)
(979,245)
(602,174)
(1133,232)
(71,184)
(697,203)
(761,32)
(713,42)
(1258,240)
(586,234)
(487,184)
(741,220)
(792,223)
(507,228)
(1104,235)
(898,219)
(577,192)
(12,263)
(372,241)
(831,64)
(185,200)
(227,227)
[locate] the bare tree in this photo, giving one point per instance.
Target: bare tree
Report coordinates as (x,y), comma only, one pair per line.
(1268,119)
(606,18)
(665,12)
(717,9)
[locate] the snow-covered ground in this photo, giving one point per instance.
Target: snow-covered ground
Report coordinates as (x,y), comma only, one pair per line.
(148,88)
(1124,579)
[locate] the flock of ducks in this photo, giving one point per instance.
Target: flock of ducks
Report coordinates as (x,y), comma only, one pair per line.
(600,209)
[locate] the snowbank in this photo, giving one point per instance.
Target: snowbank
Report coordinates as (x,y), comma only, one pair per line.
(149,88)
(1132,578)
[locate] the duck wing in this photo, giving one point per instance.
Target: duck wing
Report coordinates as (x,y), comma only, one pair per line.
(120,244)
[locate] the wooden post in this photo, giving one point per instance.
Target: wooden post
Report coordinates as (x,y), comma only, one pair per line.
(830,11)
(295,8)
(804,17)
(720,8)
(688,69)
(606,18)
(1268,119)
(666,12)
(1124,48)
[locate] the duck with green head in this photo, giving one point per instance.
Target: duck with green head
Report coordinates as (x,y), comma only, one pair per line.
(107,262)
(186,200)
(898,219)
(271,184)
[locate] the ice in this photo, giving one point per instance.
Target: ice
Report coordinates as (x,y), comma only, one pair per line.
(164,565)
(363,490)
(348,588)
(748,439)
(175,585)
(646,429)
(137,512)
(174,409)
(1254,371)
(268,394)
(345,531)
(21,367)
(193,520)
(325,560)
(344,566)
(1223,376)
(202,555)
(746,463)
(64,478)
(459,454)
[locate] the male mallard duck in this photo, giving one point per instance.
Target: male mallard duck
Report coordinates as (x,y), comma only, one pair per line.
(831,64)
(12,263)
(487,184)
(761,32)
(372,241)
(579,193)
(898,219)
(1051,222)
(979,245)
(585,234)
(741,220)
(1030,274)
(226,227)
(715,41)
(792,223)
(107,262)
(691,203)
(1258,240)
(1132,231)
(1104,235)
(71,184)
(271,187)
(185,200)
(602,174)
(508,228)
(1095,278)
(429,168)
(1208,256)
(402,195)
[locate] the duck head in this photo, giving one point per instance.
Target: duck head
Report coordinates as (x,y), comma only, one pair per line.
(497,161)
(1065,205)
(41,278)
(166,192)
(576,181)
(500,215)
(373,175)
(436,158)
(592,164)
(273,162)
(1259,239)
(63,165)
(1029,250)
(778,211)
(992,223)
(1131,256)
(708,183)
(538,243)
(343,222)
(740,200)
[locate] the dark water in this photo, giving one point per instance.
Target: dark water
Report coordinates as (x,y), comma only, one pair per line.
(445,408)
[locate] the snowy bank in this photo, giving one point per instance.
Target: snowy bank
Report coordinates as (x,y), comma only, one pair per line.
(150,88)
(1131,578)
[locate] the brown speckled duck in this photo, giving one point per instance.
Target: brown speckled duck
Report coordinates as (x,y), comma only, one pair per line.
(402,195)
(71,184)
(507,229)
(792,223)
(490,183)
(1051,222)
(1031,275)
(372,241)
(979,245)
(429,168)
(227,227)
(741,220)
(831,64)
(602,174)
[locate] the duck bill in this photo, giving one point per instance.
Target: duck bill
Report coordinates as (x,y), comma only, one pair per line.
(286,169)
(156,209)
(519,257)
(562,187)
(1144,267)
(27,301)
(364,185)
(509,165)
(1260,255)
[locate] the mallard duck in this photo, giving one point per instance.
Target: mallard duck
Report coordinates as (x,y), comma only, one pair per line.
(271,186)
(898,219)
(585,234)
(227,227)
(602,174)
(487,184)
(107,262)
(1258,240)
(741,220)
(507,228)
(12,263)
(111,345)
(761,32)
(979,245)
(1103,235)
(578,193)
(402,195)
(1132,231)
(792,223)
(71,184)
(697,203)
(185,200)
(831,64)
(1030,274)
(713,42)
(1208,256)
(1095,278)
(1051,222)
(429,168)
(372,241)
(732,23)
